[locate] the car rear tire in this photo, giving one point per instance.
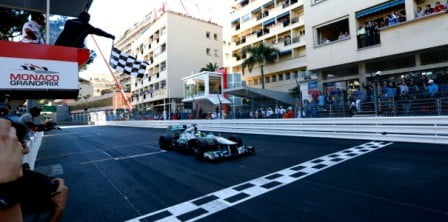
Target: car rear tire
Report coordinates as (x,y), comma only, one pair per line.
(236,139)
(165,143)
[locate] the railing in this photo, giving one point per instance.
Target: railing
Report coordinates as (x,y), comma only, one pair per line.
(397,129)
(294,20)
(296,39)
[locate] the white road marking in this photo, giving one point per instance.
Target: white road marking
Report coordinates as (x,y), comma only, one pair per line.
(138,155)
(78,126)
(122,158)
(211,203)
(97,161)
(59,134)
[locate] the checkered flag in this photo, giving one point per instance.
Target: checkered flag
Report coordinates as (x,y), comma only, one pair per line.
(125,63)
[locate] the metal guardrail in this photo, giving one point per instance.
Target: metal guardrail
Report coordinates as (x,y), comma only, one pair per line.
(428,129)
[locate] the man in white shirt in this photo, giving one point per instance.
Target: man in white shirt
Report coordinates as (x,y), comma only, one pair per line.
(31,30)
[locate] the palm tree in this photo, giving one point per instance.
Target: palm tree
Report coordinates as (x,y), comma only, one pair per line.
(209,67)
(259,55)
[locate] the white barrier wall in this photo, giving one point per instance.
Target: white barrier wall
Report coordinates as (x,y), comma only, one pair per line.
(34,145)
(427,129)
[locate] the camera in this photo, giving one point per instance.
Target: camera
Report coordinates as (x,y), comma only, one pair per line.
(38,189)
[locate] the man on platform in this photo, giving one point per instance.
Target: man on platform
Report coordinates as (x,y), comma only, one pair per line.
(76,30)
(31,31)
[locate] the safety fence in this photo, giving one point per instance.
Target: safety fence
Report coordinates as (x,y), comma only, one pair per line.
(419,106)
(427,129)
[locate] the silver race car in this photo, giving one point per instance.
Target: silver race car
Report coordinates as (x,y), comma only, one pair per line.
(204,145)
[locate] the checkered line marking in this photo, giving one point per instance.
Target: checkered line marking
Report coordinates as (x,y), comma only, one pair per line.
(208,204)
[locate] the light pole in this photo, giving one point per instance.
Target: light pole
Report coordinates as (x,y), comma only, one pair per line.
(299,95)
(375,91)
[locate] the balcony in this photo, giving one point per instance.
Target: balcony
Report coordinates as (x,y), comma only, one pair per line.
(418,34)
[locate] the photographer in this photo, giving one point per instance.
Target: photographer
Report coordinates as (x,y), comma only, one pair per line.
(10,173)
(27,119)
(22,189)
(4,104)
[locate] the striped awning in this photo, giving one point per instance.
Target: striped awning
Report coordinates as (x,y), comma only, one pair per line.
(256,10)
(268,22)
(283,15)
(285,52)
(379,8)
(268,4)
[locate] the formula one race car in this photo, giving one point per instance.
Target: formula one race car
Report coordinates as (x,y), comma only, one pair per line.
(204,145)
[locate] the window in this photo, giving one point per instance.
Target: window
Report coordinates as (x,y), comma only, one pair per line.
(267,79)
(215,85)
(163,66)
(216,53)
(255,81)
(296,74)
(288,76)
(215,36)
(280,77)
(274,78)
(207,34)
(208,51)
(338,30)
(313,2)
(245,18)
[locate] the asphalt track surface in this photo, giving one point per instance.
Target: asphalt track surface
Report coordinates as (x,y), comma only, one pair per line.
(119,174)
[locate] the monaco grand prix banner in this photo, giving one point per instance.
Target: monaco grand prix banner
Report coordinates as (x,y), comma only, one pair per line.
(40,71)
(17,73)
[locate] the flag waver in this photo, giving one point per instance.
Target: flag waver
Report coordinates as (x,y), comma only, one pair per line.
(125,63)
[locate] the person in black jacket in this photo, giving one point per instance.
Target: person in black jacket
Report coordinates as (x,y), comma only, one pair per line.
(76,30)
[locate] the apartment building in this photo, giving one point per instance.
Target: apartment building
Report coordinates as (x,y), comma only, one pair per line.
(175,45)
(124,44)
(275,23)
(350,42)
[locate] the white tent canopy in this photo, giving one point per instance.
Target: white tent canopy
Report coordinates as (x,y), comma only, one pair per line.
(57,7)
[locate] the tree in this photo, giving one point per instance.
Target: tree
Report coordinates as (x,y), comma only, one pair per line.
(57,23)
(260,55)
(106,91)
(86,97)
(11,23)
(209,67)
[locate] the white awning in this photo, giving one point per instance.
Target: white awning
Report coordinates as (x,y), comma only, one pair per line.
(218,99)
(212,98)
(57,7)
